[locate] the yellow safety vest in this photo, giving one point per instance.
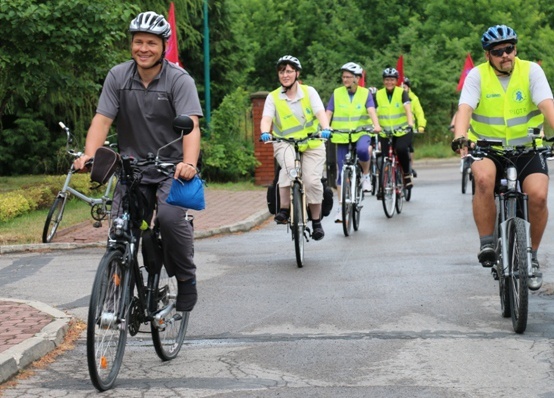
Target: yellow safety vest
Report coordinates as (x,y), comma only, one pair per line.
(391,114)
(349,115)
(505,115)
(286,124)
(417,110)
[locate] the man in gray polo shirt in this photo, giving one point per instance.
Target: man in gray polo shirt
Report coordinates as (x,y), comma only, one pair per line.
(143,96)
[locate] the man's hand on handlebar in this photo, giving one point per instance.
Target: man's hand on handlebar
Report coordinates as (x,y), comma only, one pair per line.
(82,163)
(459,143)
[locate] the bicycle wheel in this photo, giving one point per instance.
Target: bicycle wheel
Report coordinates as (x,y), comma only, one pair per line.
(399,202)
(298,224)
(106,329)
(357,206)
(505,308)
(517,278)
(53,219)
(347,200)
(388,189)
(169,326)
(373,171)
(407,193)
(465,176)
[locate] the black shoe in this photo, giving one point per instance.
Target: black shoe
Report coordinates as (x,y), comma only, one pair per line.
(282,217)
(414,173)
(379,195)
(318,232)
(487,255)
(187,295)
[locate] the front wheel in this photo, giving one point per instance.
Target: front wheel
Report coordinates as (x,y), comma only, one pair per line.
(388,189)
(53,219)
(169,326)
(298,224)
(107,326)
(357,205)
(517,277)
(347,200)
(399,204)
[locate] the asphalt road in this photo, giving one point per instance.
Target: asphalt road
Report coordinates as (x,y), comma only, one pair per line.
(399,309)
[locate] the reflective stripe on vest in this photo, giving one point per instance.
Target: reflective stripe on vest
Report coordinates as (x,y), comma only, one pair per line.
(505,115)
(286,124)
(349,115)
(391,114)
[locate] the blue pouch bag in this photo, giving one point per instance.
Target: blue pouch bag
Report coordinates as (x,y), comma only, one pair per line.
(188,194)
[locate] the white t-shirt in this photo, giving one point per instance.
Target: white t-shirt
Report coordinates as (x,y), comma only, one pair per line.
(538,85)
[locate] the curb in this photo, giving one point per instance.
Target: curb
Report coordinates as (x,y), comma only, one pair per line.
(18,357)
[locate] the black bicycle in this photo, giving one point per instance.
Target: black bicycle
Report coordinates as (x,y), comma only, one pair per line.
(121,299)
(512,229)
(391,186)
(352,193)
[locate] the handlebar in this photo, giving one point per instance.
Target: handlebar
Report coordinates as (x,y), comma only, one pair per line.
(484,148)
(292,140)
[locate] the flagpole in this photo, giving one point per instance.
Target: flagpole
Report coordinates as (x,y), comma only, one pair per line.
(207,65)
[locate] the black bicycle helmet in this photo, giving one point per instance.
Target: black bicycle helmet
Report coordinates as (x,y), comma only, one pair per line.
(292,61)
(390,72)
(496,35)
(150,22)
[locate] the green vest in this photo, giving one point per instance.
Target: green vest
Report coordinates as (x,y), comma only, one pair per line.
(505,115)
(391,114)
(349,115)
(286,124)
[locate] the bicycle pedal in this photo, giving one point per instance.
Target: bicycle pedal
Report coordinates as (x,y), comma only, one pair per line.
(494,273)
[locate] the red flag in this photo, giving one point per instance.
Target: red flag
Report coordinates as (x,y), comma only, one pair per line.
(361,82)
(400,69)
(172,53)
(468,65)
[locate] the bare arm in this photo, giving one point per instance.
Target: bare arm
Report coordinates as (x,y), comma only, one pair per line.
(96,136)
(408,108)
(461,123)
(547,109)
(265,124)
(329,115)
(323,120)
(373,115)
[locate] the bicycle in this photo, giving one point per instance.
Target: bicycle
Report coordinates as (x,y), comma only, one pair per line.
(114,309)
(374,165)
(100,207)
(512,229)
(391,185)
(352,193)
(299,214)
(465,167)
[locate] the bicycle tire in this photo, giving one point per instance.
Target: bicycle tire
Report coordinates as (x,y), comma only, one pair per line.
(517,278)
(298,224)
(465,177)
(505,308)
(407,193)
(373,170)
(388,189)
(106,335)
(168,332)
(399,202)
(347,201)
(357,207)
(53,219)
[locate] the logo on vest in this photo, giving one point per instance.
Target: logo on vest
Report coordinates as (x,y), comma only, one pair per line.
(492,95)
(518,96)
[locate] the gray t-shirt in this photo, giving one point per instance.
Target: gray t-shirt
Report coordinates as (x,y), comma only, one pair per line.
(144,116)
(538,84)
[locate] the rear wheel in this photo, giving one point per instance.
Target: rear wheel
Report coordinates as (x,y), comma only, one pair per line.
(517,279)
(388,189)
(107,328)
(169,326)
(347,200)
(53,219)
(298,224)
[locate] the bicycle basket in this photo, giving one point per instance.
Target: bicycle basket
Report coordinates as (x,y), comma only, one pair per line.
(104,165)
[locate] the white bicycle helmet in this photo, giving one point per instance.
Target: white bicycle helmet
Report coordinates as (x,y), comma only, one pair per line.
(391,72)
(292,61)
(496,35)
(353,68)
(150,22)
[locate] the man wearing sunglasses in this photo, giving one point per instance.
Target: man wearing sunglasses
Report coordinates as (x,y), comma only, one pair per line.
(501,99)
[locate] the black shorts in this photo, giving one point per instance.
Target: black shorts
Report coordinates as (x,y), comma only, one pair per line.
(525,164)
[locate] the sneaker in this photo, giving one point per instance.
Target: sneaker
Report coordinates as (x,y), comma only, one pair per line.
(366,183)
(282,217)
(318,232)
(487,255)
(338,215)
(187,295)
(535,282)
(408,182)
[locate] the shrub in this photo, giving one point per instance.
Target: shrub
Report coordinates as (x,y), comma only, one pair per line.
(13,204)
